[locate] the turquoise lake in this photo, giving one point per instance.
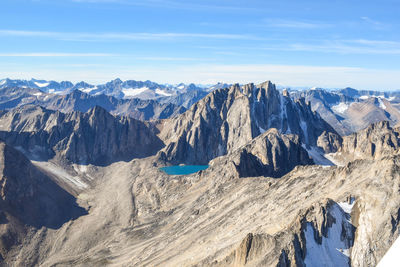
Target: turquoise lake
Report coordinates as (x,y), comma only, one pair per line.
(184,169)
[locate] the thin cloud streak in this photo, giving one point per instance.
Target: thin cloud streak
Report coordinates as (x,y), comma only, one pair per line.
(120,36)
(56,55)
(182,5)
(295,24)
(361,46)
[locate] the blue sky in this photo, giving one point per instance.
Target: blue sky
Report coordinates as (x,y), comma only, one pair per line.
(294,43)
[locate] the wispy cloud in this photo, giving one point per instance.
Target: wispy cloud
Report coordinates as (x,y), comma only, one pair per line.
(130,56)
(174,59)
(294,24)
(376,24)
(56,55)
(349,47)
(110,36)
(358,46)
(175,4)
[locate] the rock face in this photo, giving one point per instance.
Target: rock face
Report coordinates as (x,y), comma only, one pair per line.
(227,119)
(92,137)
(29,199)
(270,154)
(378,140)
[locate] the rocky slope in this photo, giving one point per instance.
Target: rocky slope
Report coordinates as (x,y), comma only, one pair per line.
(227,119)
(29,199)
(92,137)
(313,215)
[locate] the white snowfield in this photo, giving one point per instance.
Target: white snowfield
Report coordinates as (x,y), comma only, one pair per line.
(134,91)
(392,256)
(52,168)
(341,108)
(318,156)
(161,92)
(88,89)
(333,250)
(381,104)
(42,84)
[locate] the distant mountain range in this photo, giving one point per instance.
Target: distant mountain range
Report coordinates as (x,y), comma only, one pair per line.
(116,88)
(349,110)
(346,110)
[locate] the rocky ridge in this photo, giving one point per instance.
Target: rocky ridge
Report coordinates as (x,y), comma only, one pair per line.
(79,101)
(270,154)
(92,137)
(229,118)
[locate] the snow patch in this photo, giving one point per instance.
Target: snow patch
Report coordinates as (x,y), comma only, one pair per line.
(41,84)
(303,126)
(180,87)
(88,89)
(61,174)
(38,94)
(346,206)
(333,250)
(381,104)
(284,114)
(340,108)
(129,92)
(363,97)
(161,92)
(3,82)
(318,156)
(261,130)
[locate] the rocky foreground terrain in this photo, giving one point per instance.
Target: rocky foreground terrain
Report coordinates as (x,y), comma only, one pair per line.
(282,187)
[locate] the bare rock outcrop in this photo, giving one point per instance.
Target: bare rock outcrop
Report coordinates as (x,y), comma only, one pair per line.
(270,154)
(92,137)
(229,118)
(377,140)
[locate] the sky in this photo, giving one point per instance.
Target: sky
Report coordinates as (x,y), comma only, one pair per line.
(330,44)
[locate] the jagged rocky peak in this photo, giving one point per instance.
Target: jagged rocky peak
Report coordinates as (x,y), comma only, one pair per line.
(229,118)
(271,154)
(92,137)
(377,140)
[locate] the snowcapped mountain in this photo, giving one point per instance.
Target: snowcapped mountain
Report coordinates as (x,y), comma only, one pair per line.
(116,88)
(45,86)
(349,110)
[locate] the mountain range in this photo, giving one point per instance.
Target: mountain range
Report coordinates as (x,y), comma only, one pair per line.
(294,178)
